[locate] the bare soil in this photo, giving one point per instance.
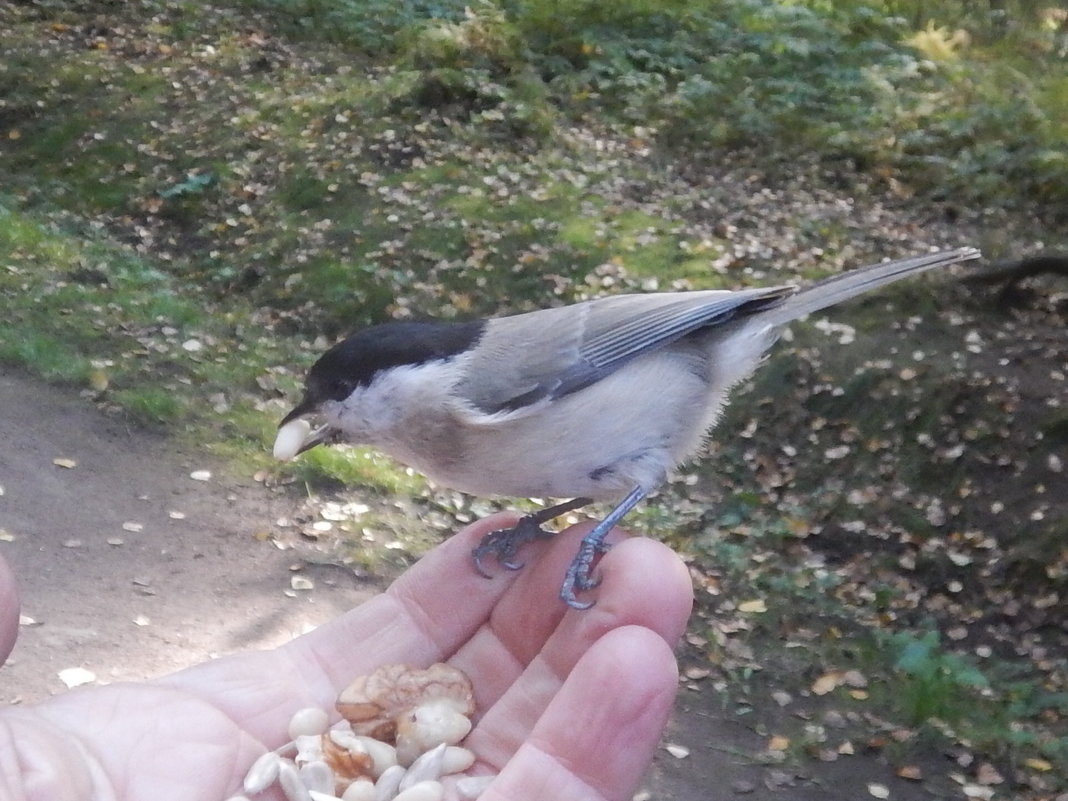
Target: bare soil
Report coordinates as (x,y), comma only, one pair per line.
(130,604)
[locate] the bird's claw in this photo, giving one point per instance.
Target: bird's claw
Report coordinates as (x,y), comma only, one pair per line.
(477,555)
(579,576)
(505,543)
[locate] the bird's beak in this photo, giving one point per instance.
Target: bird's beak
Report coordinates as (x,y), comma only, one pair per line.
(295,434)
(302,409)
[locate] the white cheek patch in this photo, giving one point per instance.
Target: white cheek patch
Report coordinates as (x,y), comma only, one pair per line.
(290,437)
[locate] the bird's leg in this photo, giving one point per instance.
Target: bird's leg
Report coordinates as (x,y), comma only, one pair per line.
(505,542)
(578,572)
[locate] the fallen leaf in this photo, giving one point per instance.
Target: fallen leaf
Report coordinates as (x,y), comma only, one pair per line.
(988,774)
(301,583)
(777,779)
(826,683)
(677,751)
(98,380)
(76,677)
(910,772)
(854,678)
(64,462)
(1040,765)
(834,719)
(778,743)
(878,790)
(755,606)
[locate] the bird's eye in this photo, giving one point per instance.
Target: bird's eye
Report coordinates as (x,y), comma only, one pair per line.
(342,388)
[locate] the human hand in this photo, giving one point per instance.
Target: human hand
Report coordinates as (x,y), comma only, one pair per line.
(9,610)
(569,704)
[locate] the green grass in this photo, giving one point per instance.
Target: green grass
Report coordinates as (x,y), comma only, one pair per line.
(150,405)
(45,355)
(85,311)
(358,467)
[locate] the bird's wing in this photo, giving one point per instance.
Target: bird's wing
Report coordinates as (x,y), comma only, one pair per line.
(531,358)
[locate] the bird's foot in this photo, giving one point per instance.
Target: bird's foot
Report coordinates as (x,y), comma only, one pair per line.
(505,543)
(579,576)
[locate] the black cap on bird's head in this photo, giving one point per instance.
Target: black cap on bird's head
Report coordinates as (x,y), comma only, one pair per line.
(356,361)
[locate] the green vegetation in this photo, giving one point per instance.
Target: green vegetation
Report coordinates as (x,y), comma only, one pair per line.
(935,684)
(930,686)
(971,112)
(357,467)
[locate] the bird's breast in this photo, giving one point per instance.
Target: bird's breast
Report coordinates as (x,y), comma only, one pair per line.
(628,429)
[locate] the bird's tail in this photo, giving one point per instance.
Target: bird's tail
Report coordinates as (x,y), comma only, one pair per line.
(842,287)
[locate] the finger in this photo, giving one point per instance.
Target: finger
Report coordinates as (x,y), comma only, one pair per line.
(598,734)
(640,578)
(523,619)
(644,584)
(9,610)
(440,604)
(422,618)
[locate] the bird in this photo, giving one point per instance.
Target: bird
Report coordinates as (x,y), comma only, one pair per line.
(594,401)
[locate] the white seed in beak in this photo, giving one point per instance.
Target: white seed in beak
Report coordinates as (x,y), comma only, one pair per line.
(290,438)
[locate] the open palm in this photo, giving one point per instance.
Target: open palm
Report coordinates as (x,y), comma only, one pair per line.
(570,704)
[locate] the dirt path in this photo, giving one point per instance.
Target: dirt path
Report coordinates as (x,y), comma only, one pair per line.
(130,604)
(172,593)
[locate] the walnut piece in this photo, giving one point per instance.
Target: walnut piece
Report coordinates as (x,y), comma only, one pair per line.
(347,765)
(375,703)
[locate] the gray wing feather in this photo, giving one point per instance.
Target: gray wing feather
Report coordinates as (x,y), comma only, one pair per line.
(529,358)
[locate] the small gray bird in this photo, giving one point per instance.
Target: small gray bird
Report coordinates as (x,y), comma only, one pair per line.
(599,400)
